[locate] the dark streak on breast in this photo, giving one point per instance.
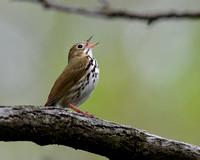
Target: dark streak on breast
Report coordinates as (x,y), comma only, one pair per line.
(88,75)
(93,69)
(90,62)
(86,83)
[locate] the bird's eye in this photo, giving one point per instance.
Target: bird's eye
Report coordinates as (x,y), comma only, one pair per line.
(80,46)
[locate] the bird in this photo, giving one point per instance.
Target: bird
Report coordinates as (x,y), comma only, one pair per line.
(78,80)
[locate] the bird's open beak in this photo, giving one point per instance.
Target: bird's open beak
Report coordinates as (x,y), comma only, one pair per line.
(87,42)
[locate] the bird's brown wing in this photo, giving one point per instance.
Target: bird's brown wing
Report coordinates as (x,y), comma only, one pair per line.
(72,73)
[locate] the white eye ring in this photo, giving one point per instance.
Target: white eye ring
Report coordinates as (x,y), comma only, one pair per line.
(79,46)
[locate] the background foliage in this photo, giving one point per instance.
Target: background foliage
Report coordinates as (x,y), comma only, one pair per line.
(149,74)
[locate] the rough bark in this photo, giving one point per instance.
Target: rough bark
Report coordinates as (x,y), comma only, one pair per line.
(51,125)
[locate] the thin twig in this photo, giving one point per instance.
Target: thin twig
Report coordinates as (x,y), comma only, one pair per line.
(114,13)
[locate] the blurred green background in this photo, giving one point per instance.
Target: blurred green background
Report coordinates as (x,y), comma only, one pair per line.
(149,75)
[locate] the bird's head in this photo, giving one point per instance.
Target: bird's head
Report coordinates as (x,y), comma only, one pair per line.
(81,49)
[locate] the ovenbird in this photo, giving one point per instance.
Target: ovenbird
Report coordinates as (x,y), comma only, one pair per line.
(78,80)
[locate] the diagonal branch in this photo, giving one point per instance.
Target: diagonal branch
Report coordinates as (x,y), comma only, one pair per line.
(108,12)
(51,125)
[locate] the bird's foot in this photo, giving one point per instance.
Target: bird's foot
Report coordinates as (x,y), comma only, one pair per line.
(79,111)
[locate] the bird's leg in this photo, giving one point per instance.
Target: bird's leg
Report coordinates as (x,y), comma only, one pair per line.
(79,111)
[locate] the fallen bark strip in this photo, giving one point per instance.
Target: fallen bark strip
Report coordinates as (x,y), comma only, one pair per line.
(51,125)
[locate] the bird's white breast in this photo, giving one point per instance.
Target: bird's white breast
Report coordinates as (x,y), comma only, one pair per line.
(89,82)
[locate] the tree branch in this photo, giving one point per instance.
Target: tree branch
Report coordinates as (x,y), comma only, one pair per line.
(51,125)
(108,12)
